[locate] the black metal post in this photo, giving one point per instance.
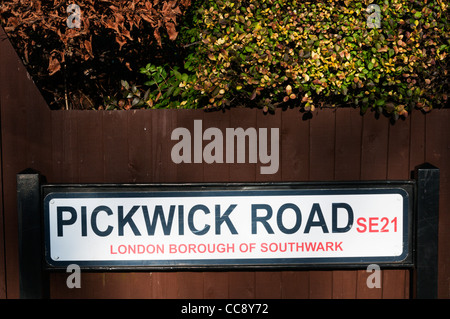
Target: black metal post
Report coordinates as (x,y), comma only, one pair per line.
(33,280)
(427,226)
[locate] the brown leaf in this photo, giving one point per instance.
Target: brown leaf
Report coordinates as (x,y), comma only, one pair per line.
(121,41)
(13,22)
(149,18)
(171,31)
(88,46)
(53,65)
(157,36)
(112,25)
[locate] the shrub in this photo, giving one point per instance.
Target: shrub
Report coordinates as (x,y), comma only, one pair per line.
(227,53)
(84,48)
(283,53)
(272,53)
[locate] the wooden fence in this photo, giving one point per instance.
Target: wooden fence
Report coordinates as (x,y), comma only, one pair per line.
(134,147)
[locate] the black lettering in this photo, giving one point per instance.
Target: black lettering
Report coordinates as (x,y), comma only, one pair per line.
(280,218)
(191,220)
(159,213)
(261,219)
(180,220)
(59,218)
(128,219)
(349,210)
(95,229)
(320,223)
(225,218)
(83,221)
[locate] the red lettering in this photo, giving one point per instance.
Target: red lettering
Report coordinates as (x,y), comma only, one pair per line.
(310,246)
(302,246)
(361,222)
(372,224)
(386,223)
(202,248)
(394,221)
(376,224)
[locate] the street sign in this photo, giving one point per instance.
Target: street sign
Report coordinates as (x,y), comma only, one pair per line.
(230,225)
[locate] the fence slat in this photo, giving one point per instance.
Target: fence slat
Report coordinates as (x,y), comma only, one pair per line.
(294,152)
(397,169)
(115,141)
(90,165)
(347,166)
(373,167)
(140,146)
(348,145)
(163,122)
(321,168)
(374,147)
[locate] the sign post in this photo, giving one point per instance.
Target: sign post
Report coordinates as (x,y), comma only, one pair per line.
(427,233)
(33,280)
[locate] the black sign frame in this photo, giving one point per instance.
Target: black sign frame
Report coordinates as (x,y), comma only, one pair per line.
(405,188)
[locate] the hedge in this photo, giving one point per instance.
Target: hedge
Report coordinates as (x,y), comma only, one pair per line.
(287,53)
(389,56)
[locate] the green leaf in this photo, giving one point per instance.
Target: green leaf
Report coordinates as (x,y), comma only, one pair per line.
(380,102)
(177,74)
(170,90)
(176,91)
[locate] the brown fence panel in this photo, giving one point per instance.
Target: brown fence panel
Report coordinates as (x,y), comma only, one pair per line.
(26,142)
(437,151)
(134,147)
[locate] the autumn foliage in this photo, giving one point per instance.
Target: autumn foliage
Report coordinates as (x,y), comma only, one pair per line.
(225,53)
(112,39)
